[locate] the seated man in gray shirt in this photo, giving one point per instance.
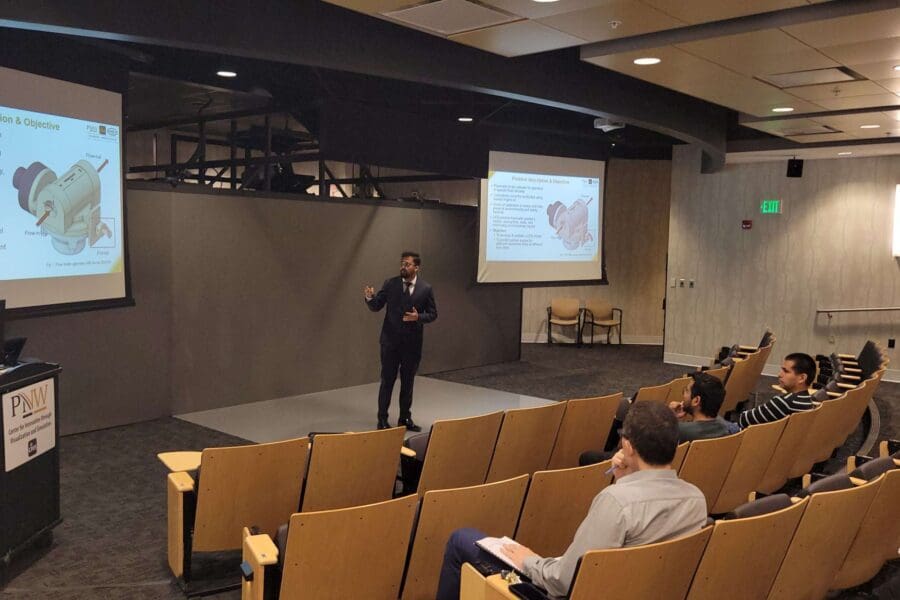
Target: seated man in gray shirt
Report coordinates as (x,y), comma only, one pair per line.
(701,400)
(647,504)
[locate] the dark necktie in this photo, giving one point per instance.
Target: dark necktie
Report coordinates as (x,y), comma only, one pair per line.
(407,286)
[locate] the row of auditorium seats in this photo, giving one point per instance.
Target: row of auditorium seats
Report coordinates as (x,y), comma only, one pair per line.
(836,533)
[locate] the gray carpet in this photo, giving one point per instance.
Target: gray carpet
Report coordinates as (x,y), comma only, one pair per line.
(112,542)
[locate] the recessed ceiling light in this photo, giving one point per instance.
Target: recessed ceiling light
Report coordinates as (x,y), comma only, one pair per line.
(844,153)
(897,67)
(783,109)
(648,60)
(226,73)
(464,119)
(544,1)
(869,126)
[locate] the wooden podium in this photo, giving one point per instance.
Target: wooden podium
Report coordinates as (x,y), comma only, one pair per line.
(29,456)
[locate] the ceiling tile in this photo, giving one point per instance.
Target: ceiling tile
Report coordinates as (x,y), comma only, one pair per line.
(536,10)
(829,91)
(851,123)
(891,84)
(703,11)
(373,7)
(848,30)
(447,17)
(877,70)
(894,115)
(516,39)
(594,24)
(823,137)
(760,53)
(864,52)
(860,102)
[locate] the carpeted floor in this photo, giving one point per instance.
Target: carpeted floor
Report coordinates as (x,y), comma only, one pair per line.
(112,542)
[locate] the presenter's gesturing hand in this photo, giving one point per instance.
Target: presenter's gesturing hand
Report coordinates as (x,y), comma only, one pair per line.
(412,315)
(369,291)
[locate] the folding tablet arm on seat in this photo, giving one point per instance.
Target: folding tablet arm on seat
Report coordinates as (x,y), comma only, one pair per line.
(182,504)
(259,552)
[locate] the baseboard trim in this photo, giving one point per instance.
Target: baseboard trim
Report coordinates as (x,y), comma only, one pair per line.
(636,340)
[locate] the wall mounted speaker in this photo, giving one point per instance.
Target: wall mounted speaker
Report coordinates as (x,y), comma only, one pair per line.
(795,167)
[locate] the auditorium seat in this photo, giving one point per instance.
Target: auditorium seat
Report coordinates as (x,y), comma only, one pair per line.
(526,440)
(564,312)
(676,389)
(455,453)
(493,508)
(743,555)
(749,464)
(720,373)
(343,553)
(352,469)
(653,393)
(240,486)
(585,425)
(708,462)
(600,313)
(823,537)
(556,504)
(795,432)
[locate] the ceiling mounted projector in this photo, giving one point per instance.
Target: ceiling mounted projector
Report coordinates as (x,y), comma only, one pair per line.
(606,125)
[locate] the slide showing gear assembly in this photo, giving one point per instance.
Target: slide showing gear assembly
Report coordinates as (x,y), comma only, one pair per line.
(68,207)
(60,196)
(570,223)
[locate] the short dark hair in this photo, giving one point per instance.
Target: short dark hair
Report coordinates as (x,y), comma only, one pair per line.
(803,365)
(711,392)
(652,430)
(417,260)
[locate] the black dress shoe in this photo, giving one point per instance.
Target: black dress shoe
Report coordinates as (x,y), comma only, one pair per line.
(408,423)
(383,424)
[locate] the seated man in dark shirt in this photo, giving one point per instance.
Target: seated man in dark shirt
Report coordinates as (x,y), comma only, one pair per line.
(701,400)
(798,371)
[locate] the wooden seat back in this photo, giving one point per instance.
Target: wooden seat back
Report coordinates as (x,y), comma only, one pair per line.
(662,570)
(585,426)
(819,545)
(676,389)
(243,486)
(352,469)
(680,453)
(653,393)
(338,553)
(877,539)
(526,441)
(492,507)
(827,426)
(748,465)
(795,431)
(708,462)
(556,504)
(743,555)
(720,373)
(741,381)
(459,452)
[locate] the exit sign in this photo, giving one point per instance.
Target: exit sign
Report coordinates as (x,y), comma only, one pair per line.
(770,207)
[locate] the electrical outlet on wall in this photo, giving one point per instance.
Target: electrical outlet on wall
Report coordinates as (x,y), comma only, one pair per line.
(691,283)
(891,342)
(830,339)
(681,283)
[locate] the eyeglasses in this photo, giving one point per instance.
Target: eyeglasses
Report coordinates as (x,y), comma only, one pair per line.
(404,263)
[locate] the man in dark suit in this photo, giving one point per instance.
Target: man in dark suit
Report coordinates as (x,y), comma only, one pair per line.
(410,304)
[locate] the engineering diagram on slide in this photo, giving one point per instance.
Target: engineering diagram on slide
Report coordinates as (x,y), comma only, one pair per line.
(67,208)
(570,223)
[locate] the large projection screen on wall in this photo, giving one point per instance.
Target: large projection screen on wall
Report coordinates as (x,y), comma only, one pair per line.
(541,219)
(62,229)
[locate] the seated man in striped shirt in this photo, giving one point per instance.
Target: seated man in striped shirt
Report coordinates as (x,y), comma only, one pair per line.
(798,371)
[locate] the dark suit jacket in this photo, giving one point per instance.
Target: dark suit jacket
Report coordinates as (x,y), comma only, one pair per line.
(394,331)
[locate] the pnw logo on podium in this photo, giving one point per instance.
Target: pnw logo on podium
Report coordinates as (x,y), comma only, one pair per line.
(29,424)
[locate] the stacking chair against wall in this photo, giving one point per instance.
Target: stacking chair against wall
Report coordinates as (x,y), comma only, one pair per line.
(556,504)
(526,440)
(600,313)
(493,508)
(878,537)
(795,431)
(653,393)
(585,426)
(343,553)
(743,555)
(238,487)
(459,452)
(351,469)
(748,465)
(564,312)
(662,570)
(821,542)
(708,462)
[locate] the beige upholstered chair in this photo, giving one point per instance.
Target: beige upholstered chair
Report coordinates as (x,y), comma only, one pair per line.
(564,312)
(600,313)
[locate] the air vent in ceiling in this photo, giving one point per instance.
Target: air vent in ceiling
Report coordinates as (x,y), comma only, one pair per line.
(816,76)
(808,130)
(447,17)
